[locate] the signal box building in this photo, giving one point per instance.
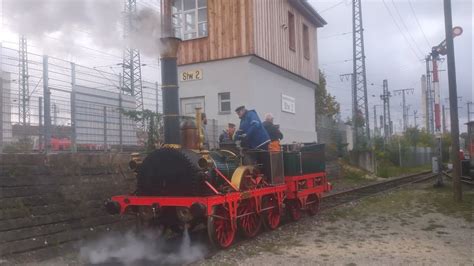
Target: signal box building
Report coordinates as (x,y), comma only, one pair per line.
(257,53)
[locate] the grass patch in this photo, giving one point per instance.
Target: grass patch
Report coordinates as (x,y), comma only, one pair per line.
(414,202)
(391,170)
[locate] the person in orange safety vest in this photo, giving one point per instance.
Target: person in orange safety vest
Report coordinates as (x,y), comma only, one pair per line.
(274,133)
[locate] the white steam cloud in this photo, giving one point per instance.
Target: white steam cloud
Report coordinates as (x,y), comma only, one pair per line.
(99,20)
(142,248)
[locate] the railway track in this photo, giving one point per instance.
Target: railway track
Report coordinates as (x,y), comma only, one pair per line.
(339,198)
(336,199)
(464,179)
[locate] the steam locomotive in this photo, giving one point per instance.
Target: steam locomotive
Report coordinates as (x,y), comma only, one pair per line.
(183,185)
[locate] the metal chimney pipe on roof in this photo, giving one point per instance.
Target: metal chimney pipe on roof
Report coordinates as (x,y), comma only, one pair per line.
(169,81)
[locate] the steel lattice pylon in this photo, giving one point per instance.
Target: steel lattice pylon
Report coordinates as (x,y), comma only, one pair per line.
(132,71)
(361,107)
(387,120)
(23,86)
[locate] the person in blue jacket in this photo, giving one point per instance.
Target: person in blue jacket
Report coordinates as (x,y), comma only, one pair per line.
(251,131)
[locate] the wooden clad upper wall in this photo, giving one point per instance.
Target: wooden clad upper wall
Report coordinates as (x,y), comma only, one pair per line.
(245,27)
(230,33)
(272,39)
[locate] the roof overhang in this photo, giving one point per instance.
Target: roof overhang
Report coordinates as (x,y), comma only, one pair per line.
(308,12)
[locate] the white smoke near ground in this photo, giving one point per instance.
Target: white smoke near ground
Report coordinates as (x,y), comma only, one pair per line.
(141,248)
(68,20)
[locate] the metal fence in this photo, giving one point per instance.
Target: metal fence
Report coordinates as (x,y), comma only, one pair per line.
(63,106)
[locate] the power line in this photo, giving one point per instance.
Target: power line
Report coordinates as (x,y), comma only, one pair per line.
(398,26)
(419,26)
(406,28)
(331,7)
(335,35)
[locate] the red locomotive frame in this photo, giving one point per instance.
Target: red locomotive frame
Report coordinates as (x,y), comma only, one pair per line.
(245,210)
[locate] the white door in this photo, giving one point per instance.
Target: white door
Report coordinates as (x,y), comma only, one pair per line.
(189,105)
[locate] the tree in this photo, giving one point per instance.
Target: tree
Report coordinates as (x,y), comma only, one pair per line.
(326,104)
(152,121)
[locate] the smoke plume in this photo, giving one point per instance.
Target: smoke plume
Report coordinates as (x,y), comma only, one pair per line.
(141,249)
(71,21)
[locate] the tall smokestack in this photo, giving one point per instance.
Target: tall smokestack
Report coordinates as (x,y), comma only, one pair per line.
(169,83)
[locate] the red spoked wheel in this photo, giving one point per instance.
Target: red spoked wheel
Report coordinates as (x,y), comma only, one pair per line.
(219,227)
(249,222)
(313,204)
(271,214)
(294,209)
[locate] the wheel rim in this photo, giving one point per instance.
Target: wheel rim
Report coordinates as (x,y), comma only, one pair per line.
(272,216)
(295,210)
(249,224)
(313,208)
(220,229)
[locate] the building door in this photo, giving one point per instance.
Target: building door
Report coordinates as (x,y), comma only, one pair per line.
(189,105)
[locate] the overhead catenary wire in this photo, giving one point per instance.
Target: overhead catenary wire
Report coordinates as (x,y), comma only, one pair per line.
(406,28)
(401,31)
(419,25)
(333,6)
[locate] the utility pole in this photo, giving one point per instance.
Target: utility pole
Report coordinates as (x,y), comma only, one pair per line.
(359,72)
(453,98)
(375,119)
(376,129)
(444,119)
(131,66)
(24,92)
(47,106)
(405,113)
(415,112)
(387,120)
(429,98)
(469,111)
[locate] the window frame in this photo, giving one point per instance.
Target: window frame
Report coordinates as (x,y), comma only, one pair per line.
(306,44)
(291,31)
(180,16)
(220,101)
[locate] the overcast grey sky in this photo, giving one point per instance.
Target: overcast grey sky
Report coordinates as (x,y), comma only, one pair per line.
(395,54)
(391,53)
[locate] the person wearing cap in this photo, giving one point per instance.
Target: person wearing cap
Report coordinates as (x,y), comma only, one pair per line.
(227,135)
(274,133)
(251,130)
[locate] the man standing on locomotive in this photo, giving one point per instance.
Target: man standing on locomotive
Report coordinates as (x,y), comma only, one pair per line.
(251,131)
(274,133)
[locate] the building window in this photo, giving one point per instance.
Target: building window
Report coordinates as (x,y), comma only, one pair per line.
(189,18)
(224,102)
(306,41)
(291,30)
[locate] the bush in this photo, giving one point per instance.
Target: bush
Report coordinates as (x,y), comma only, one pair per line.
(23,145)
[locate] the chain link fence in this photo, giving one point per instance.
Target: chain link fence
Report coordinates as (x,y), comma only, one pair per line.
(61,106)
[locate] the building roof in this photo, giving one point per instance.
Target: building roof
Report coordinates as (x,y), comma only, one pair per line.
(309,12)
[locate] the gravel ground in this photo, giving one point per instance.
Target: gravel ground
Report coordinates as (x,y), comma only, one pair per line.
(418,225)
(410,226)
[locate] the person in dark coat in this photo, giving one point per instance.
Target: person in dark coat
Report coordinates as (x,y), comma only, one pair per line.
(227,135)
(274,133)
(251,130)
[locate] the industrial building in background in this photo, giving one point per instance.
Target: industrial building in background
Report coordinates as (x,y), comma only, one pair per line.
(261,54)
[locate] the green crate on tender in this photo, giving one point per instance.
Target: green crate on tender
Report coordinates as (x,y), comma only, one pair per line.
(313,158)
(292,163)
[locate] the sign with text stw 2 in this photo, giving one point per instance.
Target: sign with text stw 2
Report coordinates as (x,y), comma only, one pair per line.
(191,75)
(288,104)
